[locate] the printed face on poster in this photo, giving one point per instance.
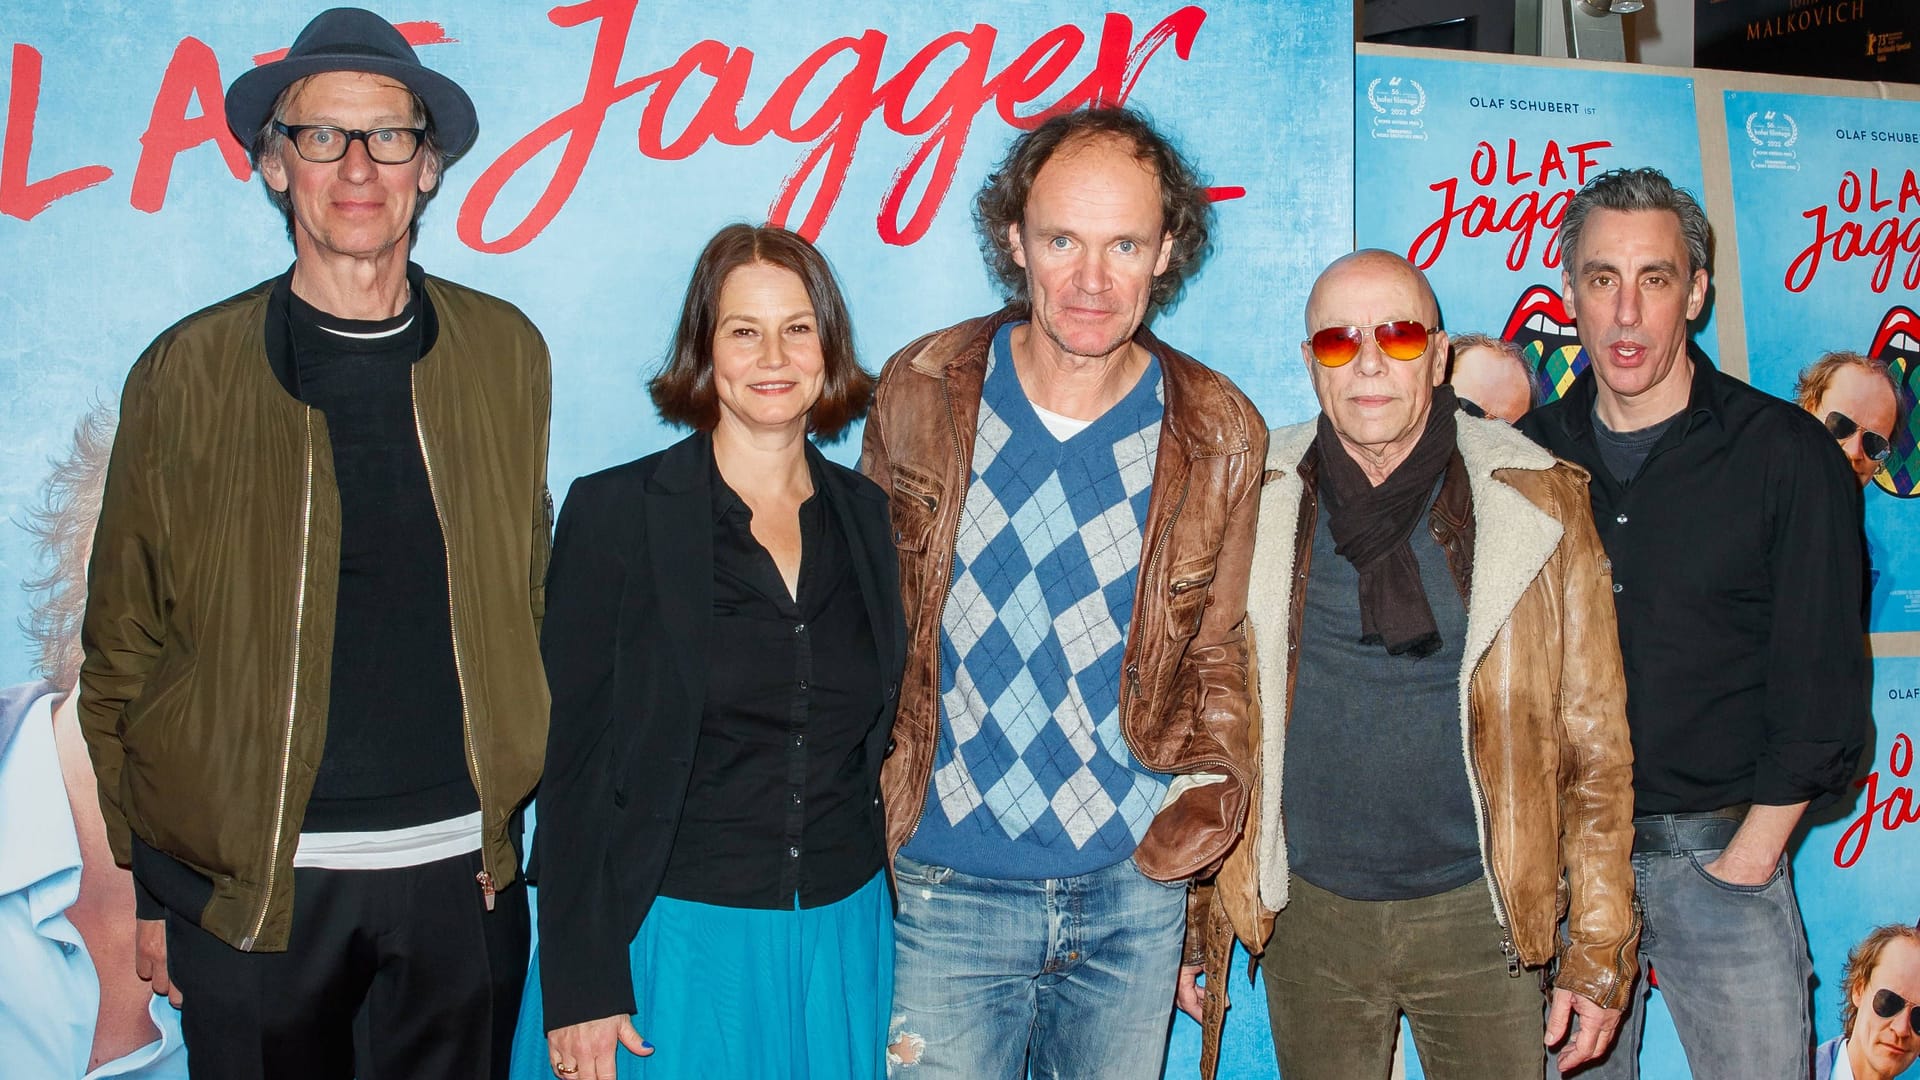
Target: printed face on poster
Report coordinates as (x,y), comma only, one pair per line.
(1828,211)
(1467,170)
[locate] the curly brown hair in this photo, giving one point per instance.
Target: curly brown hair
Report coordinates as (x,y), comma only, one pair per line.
(1185,210)
(1814,379)
(1861,961)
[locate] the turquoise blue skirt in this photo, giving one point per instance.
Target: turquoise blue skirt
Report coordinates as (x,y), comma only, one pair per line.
(803,994)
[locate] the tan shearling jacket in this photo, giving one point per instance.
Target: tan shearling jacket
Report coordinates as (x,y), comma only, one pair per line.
(1183,704)
(1542,713)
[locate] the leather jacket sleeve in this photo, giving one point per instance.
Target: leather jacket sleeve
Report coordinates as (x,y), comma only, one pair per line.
(1210,698)
(1598,961)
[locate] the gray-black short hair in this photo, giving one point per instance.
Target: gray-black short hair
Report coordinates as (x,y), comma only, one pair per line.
(268,142)
(1185,210)
(1637,189)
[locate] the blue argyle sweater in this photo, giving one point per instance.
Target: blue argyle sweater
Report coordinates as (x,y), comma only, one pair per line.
(1031,777)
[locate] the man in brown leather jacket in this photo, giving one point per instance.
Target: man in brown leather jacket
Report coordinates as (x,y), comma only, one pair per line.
(1073,503)
(1445,768)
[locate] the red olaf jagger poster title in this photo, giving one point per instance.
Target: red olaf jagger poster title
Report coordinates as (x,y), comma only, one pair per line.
(1467,169)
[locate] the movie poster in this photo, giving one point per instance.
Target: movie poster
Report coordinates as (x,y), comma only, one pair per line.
(1828,215)
(615,139)
(1467,168)
(1855,868)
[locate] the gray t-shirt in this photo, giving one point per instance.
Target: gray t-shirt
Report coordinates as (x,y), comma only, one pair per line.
(1623,452)
(1375,790)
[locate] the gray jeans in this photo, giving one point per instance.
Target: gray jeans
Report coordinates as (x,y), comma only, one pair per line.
(1733,969)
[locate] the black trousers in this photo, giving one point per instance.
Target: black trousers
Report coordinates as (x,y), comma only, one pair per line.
(389,975)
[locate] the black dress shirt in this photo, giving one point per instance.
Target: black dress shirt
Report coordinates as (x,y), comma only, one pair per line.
(777,803)
(1736,554)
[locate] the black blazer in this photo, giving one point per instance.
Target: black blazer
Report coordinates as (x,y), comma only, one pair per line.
(629,611)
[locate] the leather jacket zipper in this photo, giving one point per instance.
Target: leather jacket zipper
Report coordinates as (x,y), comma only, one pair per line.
(959,454)
(485,877)
(1140,617)
(1507,947)
(293,694)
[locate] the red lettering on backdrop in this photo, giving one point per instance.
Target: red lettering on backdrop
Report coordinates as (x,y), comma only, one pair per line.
(1530,213)
(834,129)
(1884,242)
(20,197)
(1895,810)
(193,72)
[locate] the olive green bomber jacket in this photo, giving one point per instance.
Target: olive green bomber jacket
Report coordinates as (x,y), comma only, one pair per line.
(211,586)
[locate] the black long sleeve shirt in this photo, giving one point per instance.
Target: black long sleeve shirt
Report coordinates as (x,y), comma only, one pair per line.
(1736,555)
(396,744)
(778,808)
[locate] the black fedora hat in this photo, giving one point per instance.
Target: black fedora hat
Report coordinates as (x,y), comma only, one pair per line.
(353,39)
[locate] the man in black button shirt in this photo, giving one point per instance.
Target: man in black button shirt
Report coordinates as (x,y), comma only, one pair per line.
(312,689)
(1734,531)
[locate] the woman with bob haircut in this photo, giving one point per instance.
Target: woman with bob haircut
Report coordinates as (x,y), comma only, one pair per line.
(724,643)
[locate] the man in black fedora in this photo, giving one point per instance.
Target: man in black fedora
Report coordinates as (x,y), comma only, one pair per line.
(312,687)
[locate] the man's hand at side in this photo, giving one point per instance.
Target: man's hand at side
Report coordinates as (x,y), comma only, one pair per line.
(150,957)
(1589,1037)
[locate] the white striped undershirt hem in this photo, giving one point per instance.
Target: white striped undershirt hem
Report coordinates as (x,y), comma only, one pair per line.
(389,849)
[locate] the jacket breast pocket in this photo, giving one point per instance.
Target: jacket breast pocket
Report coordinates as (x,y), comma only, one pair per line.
(913,505)
(1189,591)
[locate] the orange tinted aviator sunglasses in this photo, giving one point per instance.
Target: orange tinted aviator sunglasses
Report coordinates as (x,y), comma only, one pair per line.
(1403,339)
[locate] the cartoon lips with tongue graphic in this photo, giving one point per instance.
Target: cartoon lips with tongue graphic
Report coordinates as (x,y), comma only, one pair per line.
(1897,342)
(1540,326)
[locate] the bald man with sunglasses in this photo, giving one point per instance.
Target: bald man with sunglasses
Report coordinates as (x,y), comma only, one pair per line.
(1444,710)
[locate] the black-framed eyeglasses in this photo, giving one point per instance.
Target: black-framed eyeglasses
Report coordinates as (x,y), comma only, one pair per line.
(1887,1005)
(1872,443)
(323,144)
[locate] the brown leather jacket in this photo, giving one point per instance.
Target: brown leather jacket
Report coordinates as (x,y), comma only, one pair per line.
(1183,705)
(1544,713)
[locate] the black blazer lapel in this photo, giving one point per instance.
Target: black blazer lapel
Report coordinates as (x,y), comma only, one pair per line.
(679,506)
(862,512)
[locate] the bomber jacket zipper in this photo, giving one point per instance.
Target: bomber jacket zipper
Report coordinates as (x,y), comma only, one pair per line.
(940,615)
(485,877)
(293,693)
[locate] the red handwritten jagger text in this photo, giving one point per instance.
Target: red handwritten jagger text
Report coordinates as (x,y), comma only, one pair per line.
(1893,811)
(1530,212)
(834,128)
(1892,235)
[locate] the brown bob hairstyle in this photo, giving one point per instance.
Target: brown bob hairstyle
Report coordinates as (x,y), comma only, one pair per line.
(683,388)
